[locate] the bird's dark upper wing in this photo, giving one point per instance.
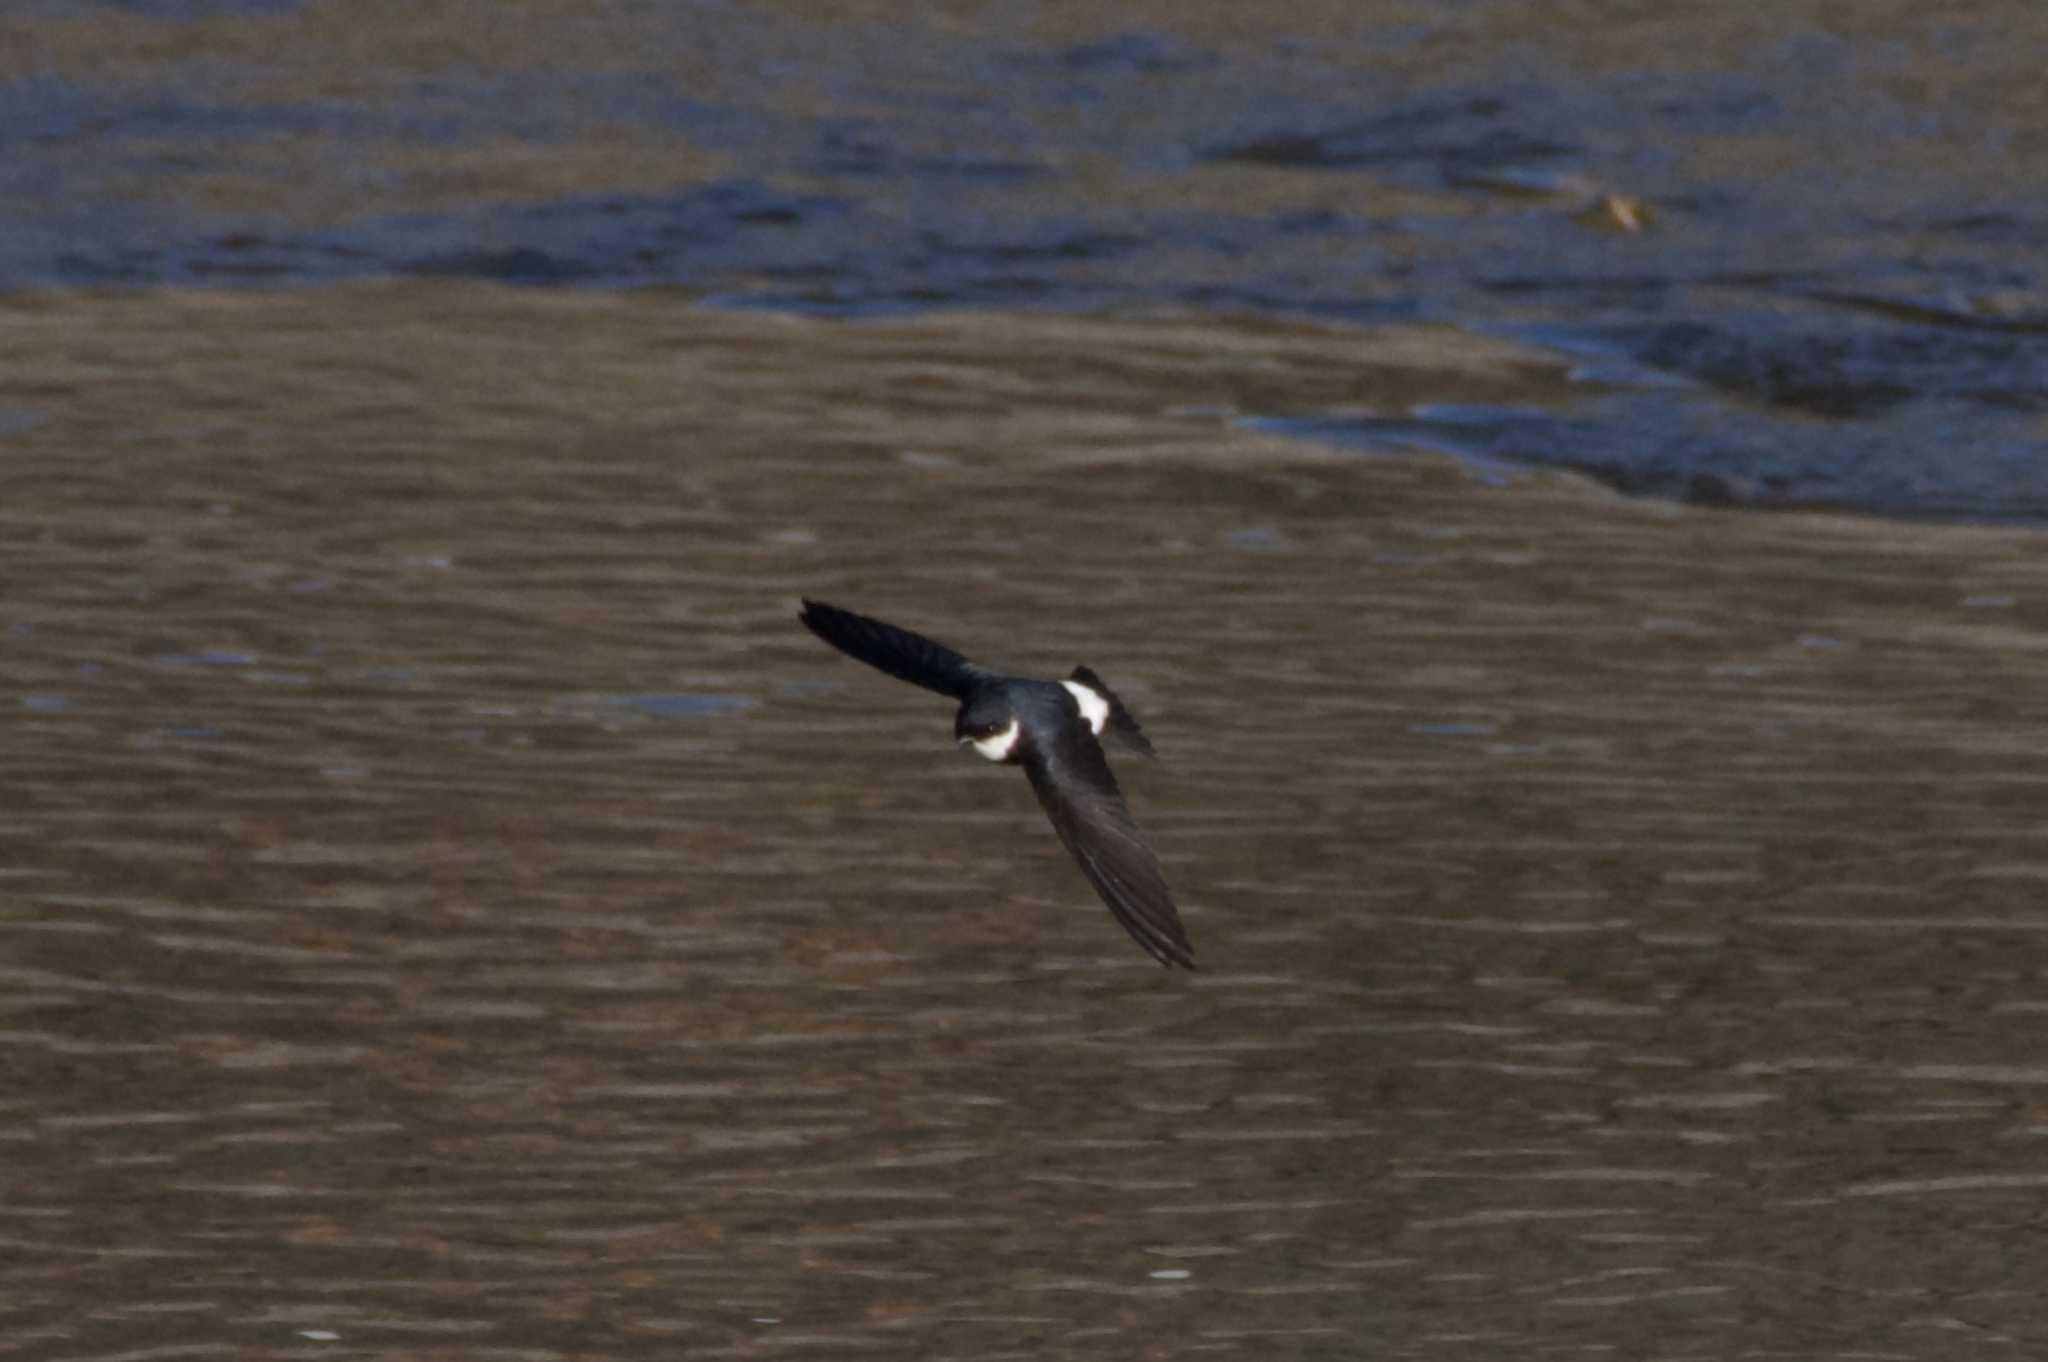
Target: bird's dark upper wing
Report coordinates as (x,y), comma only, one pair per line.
(904,655)
(1073,782)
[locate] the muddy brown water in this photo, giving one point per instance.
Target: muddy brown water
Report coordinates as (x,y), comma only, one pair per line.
(451,910)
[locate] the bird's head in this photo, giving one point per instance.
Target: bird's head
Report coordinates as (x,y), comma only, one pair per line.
(989,726)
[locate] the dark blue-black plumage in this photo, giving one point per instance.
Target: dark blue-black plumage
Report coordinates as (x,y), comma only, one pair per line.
(1053,730)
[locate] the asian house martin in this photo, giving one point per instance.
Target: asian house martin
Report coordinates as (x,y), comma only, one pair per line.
(1051,729)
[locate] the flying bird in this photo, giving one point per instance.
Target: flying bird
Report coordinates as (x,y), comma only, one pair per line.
(1053,730)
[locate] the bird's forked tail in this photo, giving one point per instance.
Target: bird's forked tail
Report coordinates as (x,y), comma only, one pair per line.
(1121,725)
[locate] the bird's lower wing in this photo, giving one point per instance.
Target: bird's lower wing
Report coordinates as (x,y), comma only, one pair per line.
(904,655)
(1073,782)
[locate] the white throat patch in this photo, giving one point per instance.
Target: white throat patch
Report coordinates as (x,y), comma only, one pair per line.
(998,746)
(1094,705)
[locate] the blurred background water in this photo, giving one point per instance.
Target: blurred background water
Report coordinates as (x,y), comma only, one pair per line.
(451,910)
(1788,256)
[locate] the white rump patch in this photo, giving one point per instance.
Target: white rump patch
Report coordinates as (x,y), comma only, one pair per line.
(1094,705)
(997,746)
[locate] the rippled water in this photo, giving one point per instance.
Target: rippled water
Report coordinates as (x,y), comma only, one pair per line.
(453,910)
(1792,255)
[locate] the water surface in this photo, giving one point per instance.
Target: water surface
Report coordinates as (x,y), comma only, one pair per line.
(1792,257)
(454,911)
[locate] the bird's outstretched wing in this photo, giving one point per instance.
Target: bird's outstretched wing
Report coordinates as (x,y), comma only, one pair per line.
(1073,781)
(904,655)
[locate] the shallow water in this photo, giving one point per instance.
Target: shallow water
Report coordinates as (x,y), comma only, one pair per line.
(455,911)
(1792,257)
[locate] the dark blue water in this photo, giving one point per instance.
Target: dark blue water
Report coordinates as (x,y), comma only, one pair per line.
(1791,264)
